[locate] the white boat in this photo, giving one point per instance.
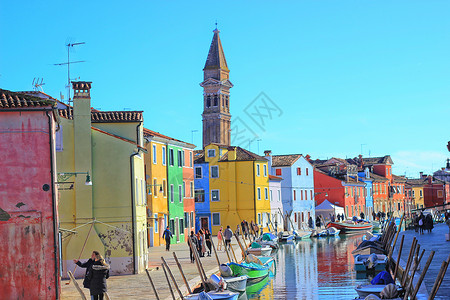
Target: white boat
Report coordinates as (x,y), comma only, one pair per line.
(262,251)
(226,295)
(236,284)
(332,231)
(375,289)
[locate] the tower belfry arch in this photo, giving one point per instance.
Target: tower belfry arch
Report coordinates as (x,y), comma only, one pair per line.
(216,95)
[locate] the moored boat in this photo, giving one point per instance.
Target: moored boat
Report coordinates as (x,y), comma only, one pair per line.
(236,284)
(372,262)
(285,236)
(332,231)
(261,251)
(302,235)
(225,295)
(349,227)
(374,289)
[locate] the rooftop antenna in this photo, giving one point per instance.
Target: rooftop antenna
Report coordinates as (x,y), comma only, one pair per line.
(70,45)
(216,24)
(37,84)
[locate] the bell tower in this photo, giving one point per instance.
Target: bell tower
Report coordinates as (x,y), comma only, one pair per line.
(216,95)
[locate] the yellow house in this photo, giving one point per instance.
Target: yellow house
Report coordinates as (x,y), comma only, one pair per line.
(417,194)
(108,213)
(238,186)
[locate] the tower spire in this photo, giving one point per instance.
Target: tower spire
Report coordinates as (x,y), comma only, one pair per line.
(216,95)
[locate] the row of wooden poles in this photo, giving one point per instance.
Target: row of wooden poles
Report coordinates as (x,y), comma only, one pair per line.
(406,275)
(201,271)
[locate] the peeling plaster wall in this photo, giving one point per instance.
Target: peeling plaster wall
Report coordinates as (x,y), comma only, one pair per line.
(27,250)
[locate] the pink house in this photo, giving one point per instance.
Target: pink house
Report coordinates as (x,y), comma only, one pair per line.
(29,249)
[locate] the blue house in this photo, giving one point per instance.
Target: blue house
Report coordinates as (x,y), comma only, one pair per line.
(297,187)
(201,183)
(365,177)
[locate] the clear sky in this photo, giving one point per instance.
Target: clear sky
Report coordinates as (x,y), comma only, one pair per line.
(343,76)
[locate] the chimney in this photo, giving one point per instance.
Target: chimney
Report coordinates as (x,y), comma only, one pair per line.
(308,157)
(231,153)
(268,155)
(430,179)
(448,164)
(421,174)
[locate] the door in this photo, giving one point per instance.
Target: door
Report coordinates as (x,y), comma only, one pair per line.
(204,222)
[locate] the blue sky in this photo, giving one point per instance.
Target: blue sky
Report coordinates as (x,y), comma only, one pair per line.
(345,75)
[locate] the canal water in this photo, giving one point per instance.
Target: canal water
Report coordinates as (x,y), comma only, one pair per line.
(316,268)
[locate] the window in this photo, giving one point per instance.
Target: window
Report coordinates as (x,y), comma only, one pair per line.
(164,188)
(214,171)
(413,194)
(180,194)
(266,193)
(199,195)
(265,170)
(278,172)
(440,194)
(186,217)
(154,154)
(307,171)
(295,195)
(208,101)
(306,195)
(271,195)
(420,193)
(156,222)
(180,158)
(191,191)
(171,193)
(398,204)
(181,226)
(215,195)
(211,152)
(299,171)
(172,225)
(279,195)
(259,218)
(163,155)
(170,157)
(215,219)
(190,159)
(311,194)
(301,194)
(257,170)
(198,172)
(155,188)
(259,193)
(184,188)
(192,219)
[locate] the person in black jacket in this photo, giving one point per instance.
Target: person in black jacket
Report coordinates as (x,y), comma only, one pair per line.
(98,276)
(88,265)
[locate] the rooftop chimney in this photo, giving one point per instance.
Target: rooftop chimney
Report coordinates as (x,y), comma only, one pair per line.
(448,164)
(421,174)
(231,153)
(267,152)
(268,155)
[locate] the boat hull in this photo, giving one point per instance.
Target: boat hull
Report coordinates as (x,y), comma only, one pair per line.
(236,284)
(349,228)
(360,266)
(255,272)
(226,295)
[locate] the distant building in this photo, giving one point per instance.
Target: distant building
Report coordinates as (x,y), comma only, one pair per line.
(29,199)
(276,202)
(202,194)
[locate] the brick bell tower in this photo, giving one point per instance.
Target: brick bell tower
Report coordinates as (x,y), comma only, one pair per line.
(216,95)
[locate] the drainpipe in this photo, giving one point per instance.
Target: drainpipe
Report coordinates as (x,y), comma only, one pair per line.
(133,210)
(54,212)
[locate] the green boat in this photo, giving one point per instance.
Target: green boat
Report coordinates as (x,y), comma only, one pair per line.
(254,271)
(256,287)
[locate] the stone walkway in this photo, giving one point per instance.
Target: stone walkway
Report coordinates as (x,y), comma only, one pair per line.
(138,286)
(430,241)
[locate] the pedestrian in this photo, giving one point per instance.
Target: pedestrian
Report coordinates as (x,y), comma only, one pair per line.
(88,265)
(332,218)
(228,234)
(428,223)
(421,221)
(362,215)
(98,276)
(247,230)
(310,222)
(237,231)
(201,242)
(220,239)
(318,223)
(194,241)
(374,216)
(256,229)
(167,235)
(208,240)
(276,226)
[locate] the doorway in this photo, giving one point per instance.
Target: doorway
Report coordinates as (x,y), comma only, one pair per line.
(204,223)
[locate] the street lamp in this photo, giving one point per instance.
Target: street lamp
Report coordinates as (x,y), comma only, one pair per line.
(149,188)
(63,177)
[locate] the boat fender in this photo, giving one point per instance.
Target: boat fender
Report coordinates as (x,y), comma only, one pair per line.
(372,297)
(371,261)
(390,291)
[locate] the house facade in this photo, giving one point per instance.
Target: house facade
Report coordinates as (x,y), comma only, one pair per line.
(202,194)
(28,198)
(276,202)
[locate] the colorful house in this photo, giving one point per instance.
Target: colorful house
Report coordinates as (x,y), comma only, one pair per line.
(417,195)
(238,186)
(28,198)
(202,195)
(297,187)
(109,213)
(368,192)
(276,202)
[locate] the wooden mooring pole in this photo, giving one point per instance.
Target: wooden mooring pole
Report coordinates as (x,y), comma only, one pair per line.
(172,277)
(399,255)
(439,278)
(422,275)
(168,282)
(151,283)
(182,273)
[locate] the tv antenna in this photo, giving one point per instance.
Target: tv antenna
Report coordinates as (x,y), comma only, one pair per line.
(37,84)
(70,45)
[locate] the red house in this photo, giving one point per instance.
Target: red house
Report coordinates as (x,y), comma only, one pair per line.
(435,192)
(29,250)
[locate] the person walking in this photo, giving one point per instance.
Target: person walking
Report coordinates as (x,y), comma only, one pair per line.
(220,239)
(167,235)
(237,231)
(194,241)
(88,265)
(362,215)
(228,234)
(311,222)
(98,276)
(421,222)
(208,240)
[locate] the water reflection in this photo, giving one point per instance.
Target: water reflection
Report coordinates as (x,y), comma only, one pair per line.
(320,268)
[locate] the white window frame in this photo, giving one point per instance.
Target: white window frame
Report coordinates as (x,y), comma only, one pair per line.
(180,195)
(191,191)
(172,192)
(211,172)
(265,170)
(258,193)
(279,195)
(201,172)
(258,170)
(155,160)
(212,219)
(271,195)
(163,155)
(266,193)
(156,222)
(184,189)
(164,183)
(180,158)
(213,151)
(171,157)
(155,187)
(218,195)
(191,160)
